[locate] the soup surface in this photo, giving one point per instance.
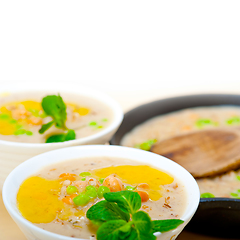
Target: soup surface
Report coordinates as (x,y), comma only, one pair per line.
(22,116)
(186,121)
(50,199)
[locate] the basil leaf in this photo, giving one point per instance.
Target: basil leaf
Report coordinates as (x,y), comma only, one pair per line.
(71,135)
(56,138)
(165,225)
(143,226)
(127,201)
(45,127)
(114,230)
(105,211)
(54,106)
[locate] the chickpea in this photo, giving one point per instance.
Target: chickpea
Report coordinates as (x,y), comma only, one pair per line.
(144,195)
(113,183)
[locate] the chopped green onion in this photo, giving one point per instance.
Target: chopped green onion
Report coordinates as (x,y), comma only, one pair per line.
(81,200)
(20,132)
(130,188)
(93,124)
(91,193)
(43,115)
(71,189)
(233,121)
(90,187)
(146,145)
(29,133)
(13,121)
(101,180)
(34,112)
(84,174)
(207,195)
(200,123)
(238,177)
(4,116)
(100,127)
(18,126)
(83,179)
(102,190)
(234,194)
(104,120)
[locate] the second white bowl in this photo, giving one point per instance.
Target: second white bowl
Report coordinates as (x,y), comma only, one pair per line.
(13,153)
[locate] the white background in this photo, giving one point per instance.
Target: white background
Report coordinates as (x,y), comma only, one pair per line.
(136,51)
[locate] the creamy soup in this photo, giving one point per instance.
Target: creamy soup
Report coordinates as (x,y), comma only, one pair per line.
(186,121)
(21,117)
(50,199)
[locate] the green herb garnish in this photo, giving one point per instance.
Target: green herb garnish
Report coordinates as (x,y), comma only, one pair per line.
(118,217)
(70,135)
(200,123)
(84,174)
(207,195)
(101,180)
(146,145)
(130,188)
(233,121)
(92,124)
(4,116)
(236,194)
(54,106)
(23,131)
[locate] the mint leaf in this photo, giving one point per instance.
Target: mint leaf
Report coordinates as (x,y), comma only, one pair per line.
(54,106)
(114,230)
(143,226)
(45,127)
(113,215)
(165,225)
(56,138)
(127,201)
(105,211)
(71,135)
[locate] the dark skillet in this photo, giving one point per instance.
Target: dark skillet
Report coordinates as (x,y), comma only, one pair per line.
(218,217)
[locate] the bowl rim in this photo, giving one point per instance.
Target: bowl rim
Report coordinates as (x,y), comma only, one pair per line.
(113,141)
(108,150)
(91,93)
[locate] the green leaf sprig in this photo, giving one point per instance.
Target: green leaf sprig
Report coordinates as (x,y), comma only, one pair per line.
(54,106)
(118,217)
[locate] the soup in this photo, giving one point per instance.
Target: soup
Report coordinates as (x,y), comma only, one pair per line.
(186,121)
(22,116)
(58,197)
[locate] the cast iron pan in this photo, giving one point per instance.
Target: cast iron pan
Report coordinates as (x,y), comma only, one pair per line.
(218,217)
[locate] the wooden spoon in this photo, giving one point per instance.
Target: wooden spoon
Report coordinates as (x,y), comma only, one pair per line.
(204,153)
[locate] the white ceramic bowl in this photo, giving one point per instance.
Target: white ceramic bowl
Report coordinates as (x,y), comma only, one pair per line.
(33,165)
(13,153)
